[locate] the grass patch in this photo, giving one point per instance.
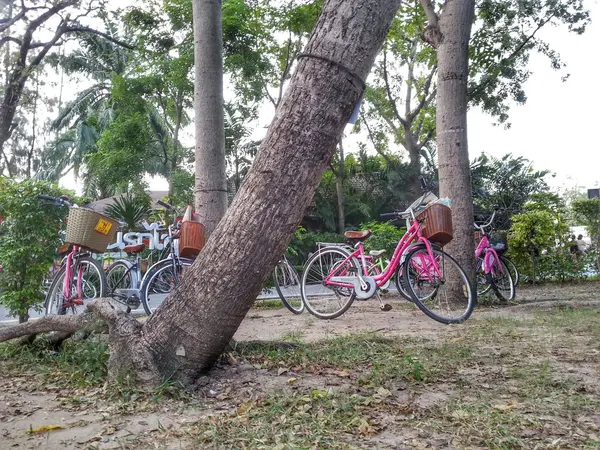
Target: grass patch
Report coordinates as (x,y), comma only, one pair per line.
(319,419)
(75,364)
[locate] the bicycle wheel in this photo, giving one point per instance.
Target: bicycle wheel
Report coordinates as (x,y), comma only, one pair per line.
(327,301)
(287,284)
(483,285)
(120,276)
(441,289)
(160,281)
(512,268)
(501,281)
(87,272)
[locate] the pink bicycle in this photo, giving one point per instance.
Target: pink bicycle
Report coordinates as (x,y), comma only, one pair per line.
(334,276)
(492,269)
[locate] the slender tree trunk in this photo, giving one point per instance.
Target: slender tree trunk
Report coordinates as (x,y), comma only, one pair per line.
(450,34)
(415,161)
(175,156)
(339,187)
(185,336)
(211,180)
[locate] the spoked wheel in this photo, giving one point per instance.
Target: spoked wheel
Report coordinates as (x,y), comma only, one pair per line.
(120,276)
(512,268)
(439,286)
(88,276)
(326,301)
(501,281)
(287,284)
(160,281)
(483,284)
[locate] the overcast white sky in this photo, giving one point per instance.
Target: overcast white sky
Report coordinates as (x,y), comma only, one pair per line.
(556,128)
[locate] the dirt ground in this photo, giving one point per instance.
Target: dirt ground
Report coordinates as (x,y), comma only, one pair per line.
(84,418)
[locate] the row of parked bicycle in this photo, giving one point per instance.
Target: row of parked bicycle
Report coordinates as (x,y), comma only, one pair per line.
(329,282)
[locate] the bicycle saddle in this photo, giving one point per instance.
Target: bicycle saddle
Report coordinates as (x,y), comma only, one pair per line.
(357,235)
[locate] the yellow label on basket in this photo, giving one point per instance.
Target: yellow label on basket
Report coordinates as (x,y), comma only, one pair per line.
(103,226)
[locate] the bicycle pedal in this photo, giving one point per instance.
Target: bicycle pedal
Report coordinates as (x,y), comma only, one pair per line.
(386,307)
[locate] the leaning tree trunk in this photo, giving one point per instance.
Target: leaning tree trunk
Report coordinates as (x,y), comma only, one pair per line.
(450,34)
(211,180)
(188,332)
(193,326)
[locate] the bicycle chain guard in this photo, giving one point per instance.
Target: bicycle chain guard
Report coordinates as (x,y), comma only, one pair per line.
(361,294)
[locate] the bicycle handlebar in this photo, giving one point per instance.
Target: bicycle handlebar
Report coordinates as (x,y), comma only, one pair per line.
(57,201)
(165,205)
(481,227)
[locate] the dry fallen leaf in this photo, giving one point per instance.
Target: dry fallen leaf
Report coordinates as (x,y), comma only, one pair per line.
(44,428)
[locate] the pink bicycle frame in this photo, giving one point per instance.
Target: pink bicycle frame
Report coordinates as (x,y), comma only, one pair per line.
(491,260)
(413,234)
(68,278)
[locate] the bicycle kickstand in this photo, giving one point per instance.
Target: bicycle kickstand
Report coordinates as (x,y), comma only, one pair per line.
(383,306)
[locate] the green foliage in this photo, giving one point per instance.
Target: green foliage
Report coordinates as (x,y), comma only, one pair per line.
(28,240)
(539,242)
(372,185)
(587,212)
(129,209)
(385,237)
(509,182)
(505,34)
(303,244)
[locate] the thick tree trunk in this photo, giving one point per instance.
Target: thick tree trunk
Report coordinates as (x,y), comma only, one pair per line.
(450,35)
(193,326)
(211,180)
(451,124)
(339,187)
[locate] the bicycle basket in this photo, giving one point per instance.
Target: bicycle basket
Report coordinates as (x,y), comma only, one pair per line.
(436,223)
(191,239)
(499,242)
(90,229)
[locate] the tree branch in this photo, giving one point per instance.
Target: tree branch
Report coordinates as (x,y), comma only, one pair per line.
(108,37)
(426,98)
(6,39)
(389,91)
(411,79)
(431,34)
(480,86)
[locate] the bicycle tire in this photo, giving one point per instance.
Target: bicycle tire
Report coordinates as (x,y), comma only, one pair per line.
(443,261)
(128,282)
(286,277)
(483,284)
(326,257)
(512,268)
(55,297)
(507,292)
(160,268)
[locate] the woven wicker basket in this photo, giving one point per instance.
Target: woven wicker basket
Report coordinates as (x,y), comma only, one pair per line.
(191,239)
(90,229)
(437,223)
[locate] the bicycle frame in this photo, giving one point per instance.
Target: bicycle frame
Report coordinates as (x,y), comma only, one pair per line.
(491,260)
(72,256)
(412,237)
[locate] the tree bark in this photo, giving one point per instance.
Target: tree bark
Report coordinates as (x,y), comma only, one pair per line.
(450,35)
(211,180)
(184,337)
(339,187)
(195,323)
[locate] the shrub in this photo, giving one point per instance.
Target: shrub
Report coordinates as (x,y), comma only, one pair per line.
(385,237)
(29,238)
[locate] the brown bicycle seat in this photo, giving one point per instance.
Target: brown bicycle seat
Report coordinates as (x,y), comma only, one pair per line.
(357,235)
(136,248)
